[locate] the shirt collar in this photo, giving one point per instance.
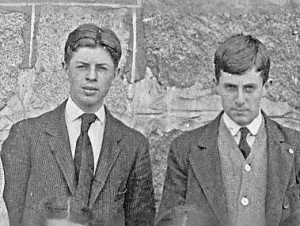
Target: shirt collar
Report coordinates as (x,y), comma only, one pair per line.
(234,127)
(74,112)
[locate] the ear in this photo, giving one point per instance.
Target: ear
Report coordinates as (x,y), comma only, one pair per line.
(215,81)
(216,88)
(266,86)
(117,72)
(64,66)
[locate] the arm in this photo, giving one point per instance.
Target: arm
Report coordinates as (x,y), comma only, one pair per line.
(16,165)
(175,184)
(139,202)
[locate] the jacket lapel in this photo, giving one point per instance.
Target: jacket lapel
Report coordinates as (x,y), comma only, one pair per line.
(280,163)
(109,153)
(205,161)
(59,144)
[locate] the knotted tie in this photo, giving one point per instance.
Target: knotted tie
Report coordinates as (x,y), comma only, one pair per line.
(243,145)
(84,159)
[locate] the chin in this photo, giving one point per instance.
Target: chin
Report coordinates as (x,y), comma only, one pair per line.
(241,121)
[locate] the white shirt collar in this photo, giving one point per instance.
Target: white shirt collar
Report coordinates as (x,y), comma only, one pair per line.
(234,127)
(74,112)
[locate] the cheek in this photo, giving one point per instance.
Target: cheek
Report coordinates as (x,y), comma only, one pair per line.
(255,99)
(228,98)
(75,80)
(106,81)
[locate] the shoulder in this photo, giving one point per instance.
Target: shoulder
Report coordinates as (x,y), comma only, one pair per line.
(129,135)
(38,122)
(291,136)
(182,145)
(193,136)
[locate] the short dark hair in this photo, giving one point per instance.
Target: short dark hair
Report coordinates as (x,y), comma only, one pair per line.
(241,53)
(90,35)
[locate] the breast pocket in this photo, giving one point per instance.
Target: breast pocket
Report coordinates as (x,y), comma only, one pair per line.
(120,194)
(119,187)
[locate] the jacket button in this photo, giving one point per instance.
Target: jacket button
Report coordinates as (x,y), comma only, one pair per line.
(247,167)
(245,201)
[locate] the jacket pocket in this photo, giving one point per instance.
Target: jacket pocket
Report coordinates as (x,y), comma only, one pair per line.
(292,198)
(120,194)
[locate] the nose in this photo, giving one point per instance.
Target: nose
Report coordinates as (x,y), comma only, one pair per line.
(91,75)
(240,98)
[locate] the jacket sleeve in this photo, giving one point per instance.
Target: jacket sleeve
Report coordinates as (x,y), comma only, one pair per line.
(16,165)
(139,203)
(175,184)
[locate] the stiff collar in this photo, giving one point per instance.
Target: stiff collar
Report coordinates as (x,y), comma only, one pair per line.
(234,127)
(74,112)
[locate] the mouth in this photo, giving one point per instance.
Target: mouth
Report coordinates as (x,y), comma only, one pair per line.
(89,88)
(240,111)
(89,91)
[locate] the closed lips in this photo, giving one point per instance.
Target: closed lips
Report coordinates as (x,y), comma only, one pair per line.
(89,88)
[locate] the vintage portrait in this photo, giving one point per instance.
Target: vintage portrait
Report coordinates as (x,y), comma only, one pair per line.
(150,113)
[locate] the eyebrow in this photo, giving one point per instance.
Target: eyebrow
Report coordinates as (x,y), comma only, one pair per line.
(85,63)
(229,84)
(232,84)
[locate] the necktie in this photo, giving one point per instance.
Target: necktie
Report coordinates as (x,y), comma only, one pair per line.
(243,145)
(84,160)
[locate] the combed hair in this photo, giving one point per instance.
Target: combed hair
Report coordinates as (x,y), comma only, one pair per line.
(90,35)
(241,53)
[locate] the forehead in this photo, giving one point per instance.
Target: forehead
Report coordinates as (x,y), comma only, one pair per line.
(250,77)
(92,55)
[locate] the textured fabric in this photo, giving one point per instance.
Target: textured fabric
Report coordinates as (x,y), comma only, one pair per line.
(243,145)
(37,163)
(96,131)
(194,176)
(244,178)
(84,160)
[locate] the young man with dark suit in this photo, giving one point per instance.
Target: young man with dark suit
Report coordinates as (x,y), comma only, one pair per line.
(79,149)
(242,168)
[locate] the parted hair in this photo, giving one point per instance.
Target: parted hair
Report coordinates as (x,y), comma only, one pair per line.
(90,35)
(241,53)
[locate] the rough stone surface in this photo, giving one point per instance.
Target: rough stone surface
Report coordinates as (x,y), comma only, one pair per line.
(12,45)
(159,146)
(122,2)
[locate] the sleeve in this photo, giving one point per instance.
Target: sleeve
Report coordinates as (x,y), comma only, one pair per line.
(16,165)
(139,203)
(175,184)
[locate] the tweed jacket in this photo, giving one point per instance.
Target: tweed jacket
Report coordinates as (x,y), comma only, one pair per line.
(37,163)
(194,179)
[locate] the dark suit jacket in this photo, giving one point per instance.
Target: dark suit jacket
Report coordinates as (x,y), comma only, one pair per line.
(38,163)
(194,177)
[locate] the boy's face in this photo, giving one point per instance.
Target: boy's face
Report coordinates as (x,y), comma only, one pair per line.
(241,95)
(91,72)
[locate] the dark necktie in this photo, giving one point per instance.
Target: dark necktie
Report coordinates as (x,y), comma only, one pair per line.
(84,159)
(243,145)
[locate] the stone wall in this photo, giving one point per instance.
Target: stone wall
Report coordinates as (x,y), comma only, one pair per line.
(166,82)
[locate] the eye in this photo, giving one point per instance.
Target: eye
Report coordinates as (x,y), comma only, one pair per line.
(81,66)
(101,68)
(230,87)
(249,88)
